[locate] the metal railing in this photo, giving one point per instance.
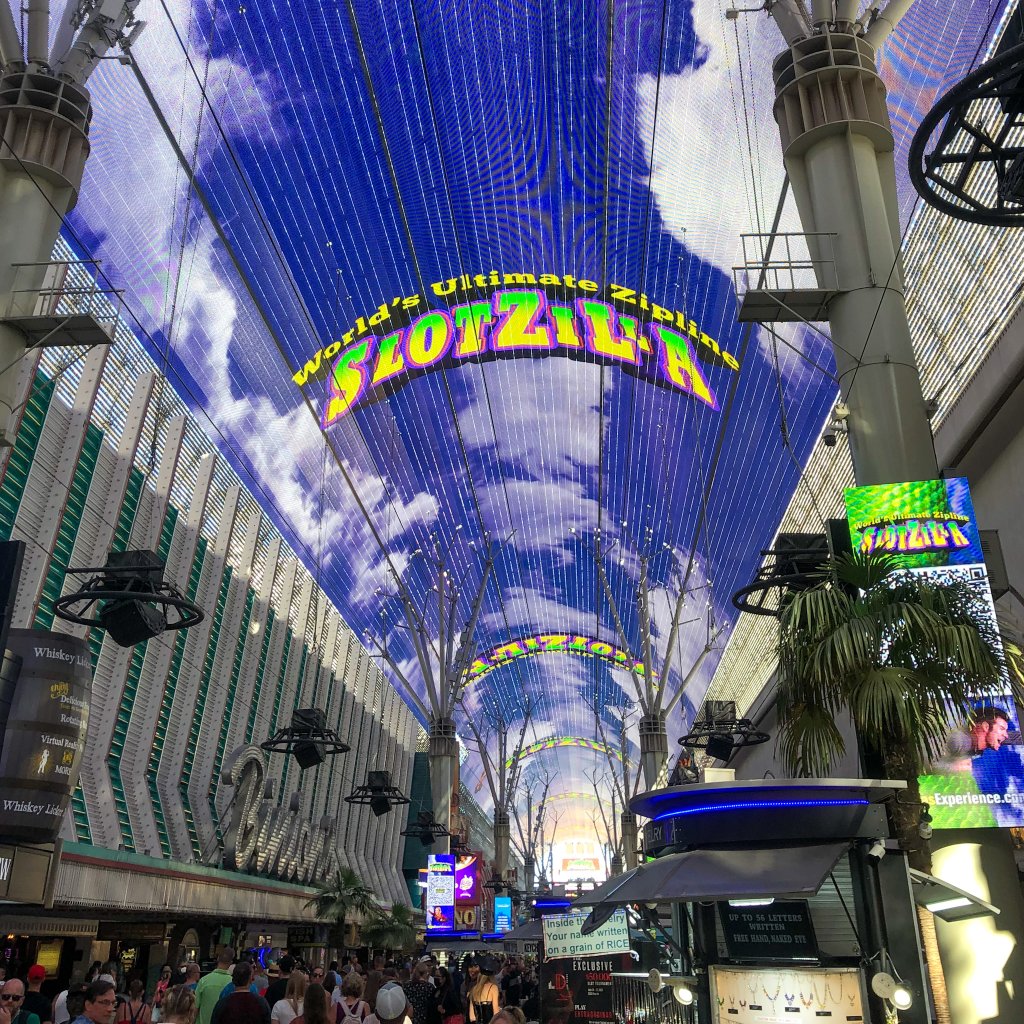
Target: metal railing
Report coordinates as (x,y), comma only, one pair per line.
(787,261)
(63,291)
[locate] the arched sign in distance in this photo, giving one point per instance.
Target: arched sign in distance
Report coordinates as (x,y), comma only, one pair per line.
(45,733)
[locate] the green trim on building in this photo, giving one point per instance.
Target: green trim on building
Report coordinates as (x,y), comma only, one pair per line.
(229,703)
(282,675)
(261,670)
(19,462)
(129,510)
(200,707)
(298,697)
(160,732)
(70,521)
(117,741)
(122,535)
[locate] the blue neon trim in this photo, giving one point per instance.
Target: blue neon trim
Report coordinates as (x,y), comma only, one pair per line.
(758,805)
(549,904)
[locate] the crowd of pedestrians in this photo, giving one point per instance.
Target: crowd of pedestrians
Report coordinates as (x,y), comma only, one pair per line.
(485,990)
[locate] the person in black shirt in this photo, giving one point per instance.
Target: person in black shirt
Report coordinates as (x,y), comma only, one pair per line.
(35,1002)
(279,989)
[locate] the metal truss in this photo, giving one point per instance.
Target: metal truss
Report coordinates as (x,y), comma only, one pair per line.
(975,170)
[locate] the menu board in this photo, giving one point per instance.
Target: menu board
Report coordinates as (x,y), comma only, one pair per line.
(749,995)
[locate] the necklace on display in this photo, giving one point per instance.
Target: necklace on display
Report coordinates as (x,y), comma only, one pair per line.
(752,988)
(820,1000)
(721,1001)
(732,1000)
(789,997)
(771,998)
(806,1002)
(743,1004)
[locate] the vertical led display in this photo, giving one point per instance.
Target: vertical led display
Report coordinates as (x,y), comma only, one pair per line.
(440,908)
(977,780)
(502,913)
(467,880)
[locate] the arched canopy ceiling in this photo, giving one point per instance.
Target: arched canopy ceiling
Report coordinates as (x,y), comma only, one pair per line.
(514,224)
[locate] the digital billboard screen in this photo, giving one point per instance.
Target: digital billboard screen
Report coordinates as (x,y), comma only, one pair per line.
(503,913)
(440,907)
(977,779)
(467,880)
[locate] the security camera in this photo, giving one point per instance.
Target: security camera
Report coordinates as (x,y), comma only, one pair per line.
(924,825)
(829,437)
(877,849)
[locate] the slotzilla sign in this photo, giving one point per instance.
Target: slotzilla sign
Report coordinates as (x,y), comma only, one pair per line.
(45,733)
(264,838)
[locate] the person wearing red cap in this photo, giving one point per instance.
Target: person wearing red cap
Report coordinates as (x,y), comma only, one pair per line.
(35,1001)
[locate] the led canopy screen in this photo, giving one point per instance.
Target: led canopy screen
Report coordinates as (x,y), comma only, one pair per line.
(444,279)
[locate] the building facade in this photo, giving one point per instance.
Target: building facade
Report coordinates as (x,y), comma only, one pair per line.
(109,458)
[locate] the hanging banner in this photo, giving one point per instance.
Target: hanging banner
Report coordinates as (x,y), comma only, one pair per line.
(45,733)
(440,906)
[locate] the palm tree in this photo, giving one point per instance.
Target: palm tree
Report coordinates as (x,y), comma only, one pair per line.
(341,894)
(393,930)
(902,655)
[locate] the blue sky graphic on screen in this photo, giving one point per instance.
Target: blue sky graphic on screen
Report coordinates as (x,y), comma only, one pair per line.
(487,255)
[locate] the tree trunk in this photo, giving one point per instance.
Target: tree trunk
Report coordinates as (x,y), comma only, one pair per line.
(906,807)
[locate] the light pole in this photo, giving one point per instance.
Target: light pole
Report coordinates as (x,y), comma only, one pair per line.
(838,146)
(44,143)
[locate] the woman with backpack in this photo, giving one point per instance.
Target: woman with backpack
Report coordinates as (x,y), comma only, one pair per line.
(284,1011)
(134,1009)
(352,1008)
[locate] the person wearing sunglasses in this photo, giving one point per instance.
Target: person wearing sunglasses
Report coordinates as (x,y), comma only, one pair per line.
(12,1000)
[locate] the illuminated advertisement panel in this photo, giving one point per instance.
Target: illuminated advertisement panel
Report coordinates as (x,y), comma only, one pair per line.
(977,780)
(503,913)
(467,880)
(440,905)
(928,522)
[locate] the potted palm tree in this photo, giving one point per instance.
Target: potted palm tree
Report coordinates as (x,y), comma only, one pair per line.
(901,654)
(342,893)
(392,930)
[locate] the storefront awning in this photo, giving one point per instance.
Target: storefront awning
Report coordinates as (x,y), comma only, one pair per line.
(721,875)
